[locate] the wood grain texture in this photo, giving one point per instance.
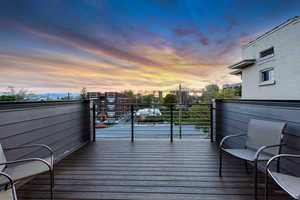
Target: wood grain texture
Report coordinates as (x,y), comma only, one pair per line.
(147,170)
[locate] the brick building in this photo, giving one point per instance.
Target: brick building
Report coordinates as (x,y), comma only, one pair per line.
(110,106)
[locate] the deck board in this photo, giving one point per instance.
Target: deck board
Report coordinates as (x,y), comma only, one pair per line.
(147,170)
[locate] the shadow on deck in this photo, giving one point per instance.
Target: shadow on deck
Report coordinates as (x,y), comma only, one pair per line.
(148,170)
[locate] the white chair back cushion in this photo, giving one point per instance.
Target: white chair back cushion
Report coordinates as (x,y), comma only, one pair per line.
(264,133)
(2,158)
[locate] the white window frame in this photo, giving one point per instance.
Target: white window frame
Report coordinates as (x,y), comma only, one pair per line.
(267,82)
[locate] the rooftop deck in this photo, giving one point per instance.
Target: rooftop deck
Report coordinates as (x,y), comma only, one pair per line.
(148,170)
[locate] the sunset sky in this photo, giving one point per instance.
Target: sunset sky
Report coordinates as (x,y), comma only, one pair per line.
(112,45)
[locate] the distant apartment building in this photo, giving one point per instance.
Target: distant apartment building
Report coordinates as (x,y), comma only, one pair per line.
(160,95)
(110,106)
(183,97)
(270,66)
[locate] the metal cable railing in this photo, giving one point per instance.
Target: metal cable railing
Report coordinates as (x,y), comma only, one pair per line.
(157,121)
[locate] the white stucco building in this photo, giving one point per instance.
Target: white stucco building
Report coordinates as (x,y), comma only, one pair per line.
(270,66)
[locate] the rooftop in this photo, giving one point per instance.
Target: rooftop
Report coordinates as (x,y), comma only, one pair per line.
(149,167)
(287,22)
(152,170)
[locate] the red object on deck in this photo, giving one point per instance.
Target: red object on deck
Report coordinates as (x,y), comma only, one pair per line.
(100,126)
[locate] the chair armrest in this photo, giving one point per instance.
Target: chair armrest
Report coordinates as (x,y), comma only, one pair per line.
(30,146)
(261,149)
(229,136)
(8,177)
(279,156)
(28,160)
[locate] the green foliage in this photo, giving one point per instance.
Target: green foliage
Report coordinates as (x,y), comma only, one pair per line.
(210,92)
(226,93)
(148,99)
(139,98)
(212,88)
(7,98)
(200,117)
(213,92)
(238,91)
(130,94)
(170,99)
(14,94)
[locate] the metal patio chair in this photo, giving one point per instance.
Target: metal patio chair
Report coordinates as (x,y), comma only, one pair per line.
(289,183)
(263,140)
(25,168)
(9,192)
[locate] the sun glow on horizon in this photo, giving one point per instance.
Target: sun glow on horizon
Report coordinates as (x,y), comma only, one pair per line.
(47,49)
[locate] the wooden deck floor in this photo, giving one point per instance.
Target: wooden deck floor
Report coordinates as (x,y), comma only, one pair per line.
(146,170)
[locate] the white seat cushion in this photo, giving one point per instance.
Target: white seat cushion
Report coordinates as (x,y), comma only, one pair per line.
(6,194)
(247,154)
(25,170)
(2,158)
(291,184)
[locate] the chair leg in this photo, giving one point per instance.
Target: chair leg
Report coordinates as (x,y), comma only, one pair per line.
(220,162)
(14,193)
(52,183)
(266,186)
(255,179)
(246,167)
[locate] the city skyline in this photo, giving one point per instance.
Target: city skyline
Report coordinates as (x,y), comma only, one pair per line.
(63,46)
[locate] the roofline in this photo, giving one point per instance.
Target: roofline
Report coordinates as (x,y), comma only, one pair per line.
(290,20)
(236,72)
(246,62)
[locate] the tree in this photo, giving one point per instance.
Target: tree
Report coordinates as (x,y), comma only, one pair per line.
(213,92)
(83,93)
(210,92)
(18,94)
(7,98)
(170,99)
(238,91)
(148,99)
(13,94)
(212,88)
(227,93)
(129,94)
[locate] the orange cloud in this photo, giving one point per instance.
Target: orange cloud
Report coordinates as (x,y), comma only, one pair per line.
(107,68)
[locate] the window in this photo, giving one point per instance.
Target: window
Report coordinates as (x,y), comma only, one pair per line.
(110,99)
(267,52)
(267,75)
(111,114)
(111,107)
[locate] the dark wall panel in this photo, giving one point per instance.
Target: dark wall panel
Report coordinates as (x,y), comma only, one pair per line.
(64,126)
(234,115)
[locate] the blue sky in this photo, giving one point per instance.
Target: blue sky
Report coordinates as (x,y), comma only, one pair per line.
(108,45)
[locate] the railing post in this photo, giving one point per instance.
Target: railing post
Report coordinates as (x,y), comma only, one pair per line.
(171,123)
(90,116)
(211,123)
(132,123)
(218,129)
(179,120)
(94,122)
